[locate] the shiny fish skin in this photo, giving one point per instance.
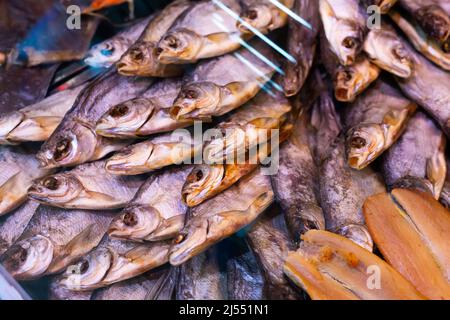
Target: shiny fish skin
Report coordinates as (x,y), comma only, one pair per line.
(12,226)
(158,284)
(222,216)
(302,43)
(201,278)
(270,242)
(113,261)
(330,267)
(245,280)
(157,212)
(374,123)
(387,50)
(38,121)
(296,184)
(18,169)
(203,31)
(53,239)
(88,186)
(417,160)
(74,140)
(219,85)
(141,59)
(429,87)
(432,15)
(439,54)
(264,16)
(155,153)
(344,23)
(145,115)
(343,191)
(108,52)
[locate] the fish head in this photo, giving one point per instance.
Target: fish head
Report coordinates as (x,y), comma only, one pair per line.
(29,258)
(56,189)
(140,59)
(434,21)
(88,272)
(201,183)
(8,122)
(135,222)
(105,54)
(348,83)
(347,41)
(197,100)
(181,45)
(258,16)
(125,119)
(68,147)
(130,160)
(189,242)
(363,144)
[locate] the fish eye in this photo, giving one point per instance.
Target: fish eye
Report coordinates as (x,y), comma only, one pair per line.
(172,42)
(119,111)
(400,53)
(446,47)
(199,175)
(349,43)
(51,183)
(347,75)
(190,94)
(358,143)
(108,51)
(61,150)
(158,51)
(137,54)
(84,266)
(130,219)
(180,238)
(252,14)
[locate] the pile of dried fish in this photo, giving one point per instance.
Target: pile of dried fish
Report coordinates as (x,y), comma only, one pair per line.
(237,149)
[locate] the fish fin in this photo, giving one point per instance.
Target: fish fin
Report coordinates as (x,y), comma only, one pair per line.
(36,128)
(218,37)
(81,244)
(395,122)
(100,197)
(437,169)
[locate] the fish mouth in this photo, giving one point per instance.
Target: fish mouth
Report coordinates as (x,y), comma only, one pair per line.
(124,120)
(188,245)
(131,160)
(202,182)
(259,17)
(364,145)
(136,223)
(29,259)
(88,273)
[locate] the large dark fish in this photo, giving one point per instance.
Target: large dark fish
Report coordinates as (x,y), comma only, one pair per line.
(219,85)
(108,52)
(201,278)
(264,15)
(158,284)
(113,261)
(145,115)
(222,216)
(245,279)
(12,226)
(18,169)
(374,122)
(141,58)
(429,87)
(53,239)
(75,140)
(344,22)
(37,121)
(343,191)
(296,183)
(88,186)
(432,15)
(269,239)
(157,211)
(302,42)
(417,160)
(205,30)
(330,267)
